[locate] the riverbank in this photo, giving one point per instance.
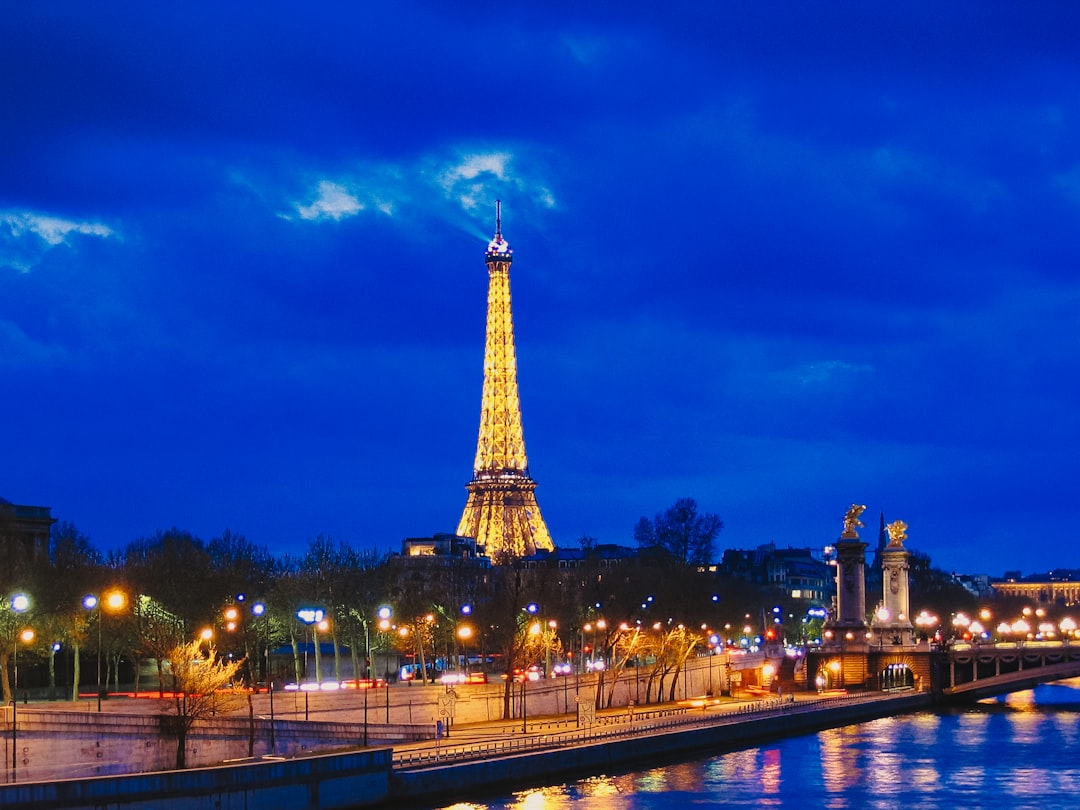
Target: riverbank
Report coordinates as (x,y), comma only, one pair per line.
(583,755)
(483,758)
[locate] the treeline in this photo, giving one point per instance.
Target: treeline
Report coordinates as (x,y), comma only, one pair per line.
(178,586)
(659,606)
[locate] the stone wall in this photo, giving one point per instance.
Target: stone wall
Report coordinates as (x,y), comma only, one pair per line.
(326,782)
(76,745)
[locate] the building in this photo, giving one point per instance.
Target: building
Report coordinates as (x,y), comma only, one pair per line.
(796,571)
(501,511)
(445,547)
(602,555)
(24,538)
(1056,587)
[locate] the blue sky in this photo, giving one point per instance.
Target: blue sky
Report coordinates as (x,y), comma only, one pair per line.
(777,257)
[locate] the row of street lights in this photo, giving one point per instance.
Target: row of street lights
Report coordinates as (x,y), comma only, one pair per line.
(113,601)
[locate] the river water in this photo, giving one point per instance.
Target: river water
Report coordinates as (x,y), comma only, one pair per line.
(1018,752)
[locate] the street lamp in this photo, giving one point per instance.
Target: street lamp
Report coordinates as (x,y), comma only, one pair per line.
(926,622)
(384,614)
(113,600)
(20,603)
(465,632)
(549,640)
(259,609)
(26,637)
(313,617)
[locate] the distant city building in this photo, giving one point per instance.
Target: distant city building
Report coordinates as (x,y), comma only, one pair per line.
(24,535)
(978,585)
(444,546)
(501,511)
(604,555)
(796,571)
(1056,587)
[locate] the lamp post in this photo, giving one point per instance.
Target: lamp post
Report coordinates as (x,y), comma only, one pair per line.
(313,618)
(259,609)
(464,633)
(549,639)
(113,600)
(20,603)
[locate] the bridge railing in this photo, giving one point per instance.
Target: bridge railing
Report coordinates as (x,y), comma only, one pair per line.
(623,725)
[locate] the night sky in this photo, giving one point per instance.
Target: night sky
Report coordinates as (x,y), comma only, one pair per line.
(776,257)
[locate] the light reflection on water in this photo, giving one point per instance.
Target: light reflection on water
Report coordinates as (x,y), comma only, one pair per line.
(1016,752)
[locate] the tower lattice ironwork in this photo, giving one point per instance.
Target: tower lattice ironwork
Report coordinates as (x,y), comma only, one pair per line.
(501,511)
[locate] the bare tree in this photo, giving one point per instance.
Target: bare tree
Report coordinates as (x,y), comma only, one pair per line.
(203,685)
(681,531)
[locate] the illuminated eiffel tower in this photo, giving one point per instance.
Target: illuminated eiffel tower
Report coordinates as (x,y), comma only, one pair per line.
(501,511)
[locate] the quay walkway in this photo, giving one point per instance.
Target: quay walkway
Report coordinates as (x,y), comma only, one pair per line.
(473,761)
(501,738)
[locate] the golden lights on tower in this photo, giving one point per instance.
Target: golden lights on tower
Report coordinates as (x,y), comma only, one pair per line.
(501,511)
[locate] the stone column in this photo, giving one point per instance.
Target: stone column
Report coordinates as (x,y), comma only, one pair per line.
(892,622)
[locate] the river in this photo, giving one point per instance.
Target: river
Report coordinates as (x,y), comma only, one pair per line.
(1021,751)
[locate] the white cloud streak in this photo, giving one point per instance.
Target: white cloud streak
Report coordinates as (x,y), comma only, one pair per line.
(334,201)
(26,236)
(469,181)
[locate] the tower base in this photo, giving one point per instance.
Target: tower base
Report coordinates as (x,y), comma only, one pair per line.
(502,512)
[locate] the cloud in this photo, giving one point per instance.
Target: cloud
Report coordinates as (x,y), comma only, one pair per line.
(25,236)
(468,180)
(472,166)
(334,202)
(476,179)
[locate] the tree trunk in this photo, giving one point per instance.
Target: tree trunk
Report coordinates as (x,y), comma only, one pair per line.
(5,681)
(181,730)
(251,726)
(76,672)
(674,683)
(649,685)
(423,663)
(295,656)
(355,659)
(337,653)
(507,693)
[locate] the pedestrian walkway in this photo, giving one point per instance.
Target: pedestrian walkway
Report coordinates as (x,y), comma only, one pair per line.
(505,737)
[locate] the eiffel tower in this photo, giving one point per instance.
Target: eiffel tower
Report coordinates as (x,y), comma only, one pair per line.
(501,511)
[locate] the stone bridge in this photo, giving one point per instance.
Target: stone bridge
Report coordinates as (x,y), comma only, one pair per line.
(976,671)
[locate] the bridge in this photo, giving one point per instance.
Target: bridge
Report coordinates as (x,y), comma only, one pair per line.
(956,672)
(970,672)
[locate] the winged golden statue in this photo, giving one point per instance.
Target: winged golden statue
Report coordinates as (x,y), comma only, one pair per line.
(852,522)
(897,533)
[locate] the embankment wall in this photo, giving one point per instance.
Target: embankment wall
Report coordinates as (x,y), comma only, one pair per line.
(73,745)
(464,780)
(327,782)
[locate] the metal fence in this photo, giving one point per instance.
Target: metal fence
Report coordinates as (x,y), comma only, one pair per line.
(608,726)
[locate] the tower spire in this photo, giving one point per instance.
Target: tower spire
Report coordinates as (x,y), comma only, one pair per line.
(501,511)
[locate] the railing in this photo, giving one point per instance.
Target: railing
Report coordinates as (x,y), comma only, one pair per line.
(609,726)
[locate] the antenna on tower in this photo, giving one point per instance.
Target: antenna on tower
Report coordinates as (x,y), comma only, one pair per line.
(498,218)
